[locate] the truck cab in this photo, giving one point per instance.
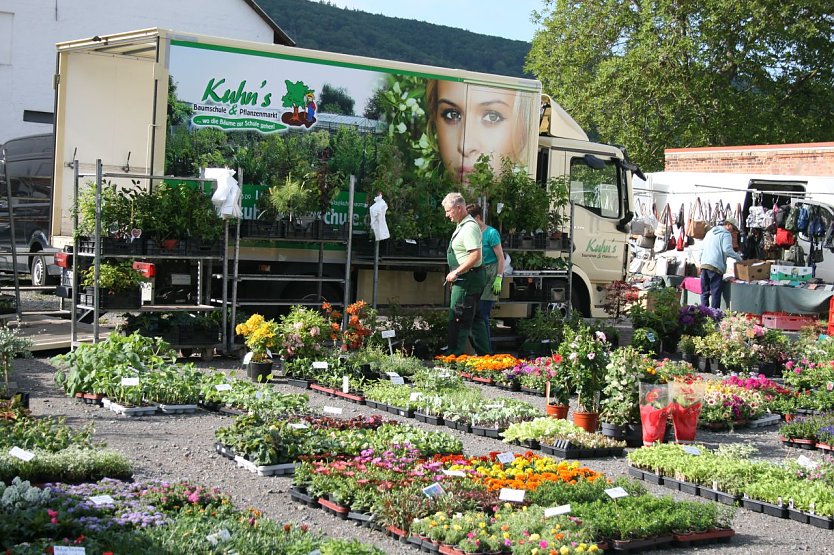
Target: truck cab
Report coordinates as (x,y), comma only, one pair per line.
(26,166)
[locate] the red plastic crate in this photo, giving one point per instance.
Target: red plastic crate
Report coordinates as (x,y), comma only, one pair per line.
(785,321)
(831,316)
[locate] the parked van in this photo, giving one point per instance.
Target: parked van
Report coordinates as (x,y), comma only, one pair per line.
(26,166)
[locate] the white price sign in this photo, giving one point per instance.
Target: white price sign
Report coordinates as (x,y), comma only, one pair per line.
(320,365)
(345,384)
(555,511)
(514,495)
(415,396)
(130,381)
(506,458)
(21,454)
(616,493)
(806,463)
(221,536)
(102,500)
(396,379)
(247,358)
(434,490)
(298,425)
(388,334)
(691,450)
(68,550)
(460,473)
(223,387)
(332,410)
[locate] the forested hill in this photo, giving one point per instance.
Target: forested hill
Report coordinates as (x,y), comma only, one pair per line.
(321,26)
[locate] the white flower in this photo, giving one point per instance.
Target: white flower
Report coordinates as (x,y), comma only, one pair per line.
(601,336)
(591,355)
(420,162)
(573,356)
(401,127)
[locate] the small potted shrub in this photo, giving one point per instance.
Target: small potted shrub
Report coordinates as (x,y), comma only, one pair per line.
(646,340)
(118,284)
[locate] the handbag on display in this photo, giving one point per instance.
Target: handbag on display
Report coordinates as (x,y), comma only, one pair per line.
(681,240)
(679,219)
(817,227)
(663,231)
(642,224)
(680,268)
(803,219)
(780,214)
(661,267)
(817,255)
(791,219)
(784,238)
(696,228)
(636,265)
(648,267)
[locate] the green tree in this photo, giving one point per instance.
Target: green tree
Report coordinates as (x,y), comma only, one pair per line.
(335,100)
(669,73)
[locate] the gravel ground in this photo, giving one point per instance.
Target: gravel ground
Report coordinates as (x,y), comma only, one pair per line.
(181,448)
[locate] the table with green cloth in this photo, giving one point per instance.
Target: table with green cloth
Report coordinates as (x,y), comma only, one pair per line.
(758,299)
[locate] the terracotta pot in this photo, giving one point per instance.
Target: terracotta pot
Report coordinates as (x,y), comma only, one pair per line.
(560,412)
(588,421)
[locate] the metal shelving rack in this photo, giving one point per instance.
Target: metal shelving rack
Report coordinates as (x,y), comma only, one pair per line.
(97,256)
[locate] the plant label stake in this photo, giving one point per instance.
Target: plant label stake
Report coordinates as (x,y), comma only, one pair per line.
(247,358)
(101,500)
(396,379)
(320,365)
(415,396)
(460,473)
(345,384)
(223,387)
(691,450)
(219,537)
(513,495)
(806,463)
(434,490)
(555,511)
(506,458)
(616,493)
(21,454)
(547,392)
(128,382)
(298,425)
(388,334)
(68,550)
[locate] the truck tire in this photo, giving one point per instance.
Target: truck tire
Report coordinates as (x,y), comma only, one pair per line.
(40,273)
(579,299)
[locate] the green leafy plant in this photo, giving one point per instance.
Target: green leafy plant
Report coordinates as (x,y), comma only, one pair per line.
(113,276)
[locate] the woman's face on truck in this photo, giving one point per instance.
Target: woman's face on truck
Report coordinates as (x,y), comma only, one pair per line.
(482,121)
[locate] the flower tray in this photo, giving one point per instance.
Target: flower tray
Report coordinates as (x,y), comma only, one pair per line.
(718,535)
(528,444)
(572,452)
(209,406)
(361,518)
(428,546)
(824,522)
(727,498)
(299,495)
(334,508)
(352,397)
(529,391)
(303,384)
(797,515)
(779,511)
(671,483)
(824,447)
(764,421)
(90,398)
(514,386)
(131,411)
(415,541)
(642,544)
(428,418)
(177,409)
(322,389)
(807,444)
(449,550)
(286,469)
(636,473)
(466,375)
(479,379)
(225,451)
(376,405)
(232,411)
(395,532)
(708,493)
(405,413)
(691,489)
(752,505)
(487,432)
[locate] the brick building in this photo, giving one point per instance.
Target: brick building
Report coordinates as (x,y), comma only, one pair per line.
(812,159)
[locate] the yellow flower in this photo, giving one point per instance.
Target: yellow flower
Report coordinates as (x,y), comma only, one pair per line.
(593,548)
(564,550)
(535,537)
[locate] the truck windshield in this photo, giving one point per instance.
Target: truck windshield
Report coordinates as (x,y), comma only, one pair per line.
(596,189)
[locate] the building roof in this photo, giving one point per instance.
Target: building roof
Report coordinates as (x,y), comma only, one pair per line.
(279,37)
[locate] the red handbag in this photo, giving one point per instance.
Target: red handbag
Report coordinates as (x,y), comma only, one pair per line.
(681,241)
(784,238)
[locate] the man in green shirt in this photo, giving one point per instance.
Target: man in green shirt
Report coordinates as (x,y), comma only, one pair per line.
(467,279)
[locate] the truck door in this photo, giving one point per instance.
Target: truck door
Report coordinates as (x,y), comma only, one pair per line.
(597,187)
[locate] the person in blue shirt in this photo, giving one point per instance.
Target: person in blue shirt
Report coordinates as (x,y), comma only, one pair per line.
(493,263)
(716,248)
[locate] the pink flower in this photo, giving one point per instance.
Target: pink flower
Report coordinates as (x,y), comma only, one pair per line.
(591,355)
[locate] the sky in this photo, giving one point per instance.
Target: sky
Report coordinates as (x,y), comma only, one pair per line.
(488,17)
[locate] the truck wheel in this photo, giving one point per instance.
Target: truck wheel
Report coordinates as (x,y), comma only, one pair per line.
(40,274)
(186,353)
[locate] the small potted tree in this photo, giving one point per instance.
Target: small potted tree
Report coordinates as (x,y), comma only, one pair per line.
(12,345)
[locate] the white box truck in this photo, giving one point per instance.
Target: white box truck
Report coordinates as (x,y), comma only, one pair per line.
(111,105)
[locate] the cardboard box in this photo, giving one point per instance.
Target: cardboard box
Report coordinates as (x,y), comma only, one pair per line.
(791,273)
(752,270)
